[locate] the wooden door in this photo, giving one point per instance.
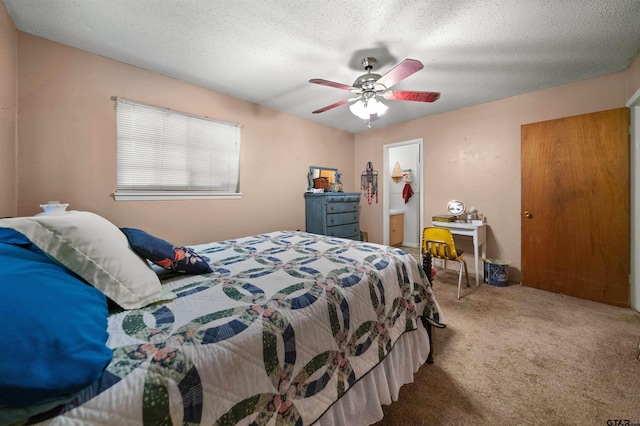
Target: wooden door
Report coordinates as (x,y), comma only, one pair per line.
(575,206)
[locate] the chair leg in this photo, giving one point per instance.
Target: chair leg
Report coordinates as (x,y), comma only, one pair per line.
(463,266)
(466,271)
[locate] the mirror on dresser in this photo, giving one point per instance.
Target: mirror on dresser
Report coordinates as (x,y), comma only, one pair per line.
(327,178)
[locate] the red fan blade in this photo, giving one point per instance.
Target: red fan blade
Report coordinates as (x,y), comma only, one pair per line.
(401,95)
(337,104)
(331,84)
(401,71)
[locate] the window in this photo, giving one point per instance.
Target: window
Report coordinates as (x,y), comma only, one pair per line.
(165,154)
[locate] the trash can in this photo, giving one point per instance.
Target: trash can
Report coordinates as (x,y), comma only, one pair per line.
(496,272)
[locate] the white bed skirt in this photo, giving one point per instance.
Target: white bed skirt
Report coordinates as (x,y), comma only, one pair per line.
(362,405)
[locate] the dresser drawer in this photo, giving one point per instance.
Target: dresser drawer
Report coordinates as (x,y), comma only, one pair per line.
(344,199)
(342,218)
(335,207)
(351,230)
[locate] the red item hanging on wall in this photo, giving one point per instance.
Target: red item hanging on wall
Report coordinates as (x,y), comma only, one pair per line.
(407,192)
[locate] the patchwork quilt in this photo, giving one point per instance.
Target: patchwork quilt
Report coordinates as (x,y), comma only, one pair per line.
(284,325)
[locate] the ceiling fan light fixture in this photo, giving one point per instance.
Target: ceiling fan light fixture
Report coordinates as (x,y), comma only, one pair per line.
(365,109)
(370,85)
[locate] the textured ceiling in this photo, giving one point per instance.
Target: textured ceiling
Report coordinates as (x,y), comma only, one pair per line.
(473,51)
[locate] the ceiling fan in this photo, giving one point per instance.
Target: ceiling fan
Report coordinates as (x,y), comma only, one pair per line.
(369,86)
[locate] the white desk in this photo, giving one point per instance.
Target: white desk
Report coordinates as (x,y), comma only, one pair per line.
(479,234)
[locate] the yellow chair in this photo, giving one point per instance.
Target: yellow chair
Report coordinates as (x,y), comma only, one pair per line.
(439,243)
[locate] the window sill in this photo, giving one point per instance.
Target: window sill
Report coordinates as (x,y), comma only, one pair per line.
(173,195)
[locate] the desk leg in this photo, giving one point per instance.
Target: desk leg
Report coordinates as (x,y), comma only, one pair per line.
(484,256)
(475,257)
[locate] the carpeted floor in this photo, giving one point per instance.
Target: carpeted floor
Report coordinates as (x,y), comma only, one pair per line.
(521,356)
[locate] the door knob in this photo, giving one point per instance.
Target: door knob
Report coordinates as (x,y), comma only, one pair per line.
(528,215)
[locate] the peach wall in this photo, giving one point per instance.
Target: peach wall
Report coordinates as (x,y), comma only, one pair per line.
(67,146)
(634,77)
(67,149)
(8,105)
(473,154)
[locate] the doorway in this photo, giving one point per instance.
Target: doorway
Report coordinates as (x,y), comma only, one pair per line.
(408,155)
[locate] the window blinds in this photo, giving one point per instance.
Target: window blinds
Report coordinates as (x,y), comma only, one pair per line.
(171,154)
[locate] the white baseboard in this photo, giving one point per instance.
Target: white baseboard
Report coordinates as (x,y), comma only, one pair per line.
(412,245)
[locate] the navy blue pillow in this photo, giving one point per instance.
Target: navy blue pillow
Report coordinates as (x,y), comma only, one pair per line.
(165,254)
(11,236)
(54,326)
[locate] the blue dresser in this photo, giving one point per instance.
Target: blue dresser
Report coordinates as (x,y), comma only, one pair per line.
(336,214)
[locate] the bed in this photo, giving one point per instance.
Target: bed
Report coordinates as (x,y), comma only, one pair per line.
(285,327)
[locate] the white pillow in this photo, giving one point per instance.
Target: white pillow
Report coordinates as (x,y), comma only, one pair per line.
(95,249)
